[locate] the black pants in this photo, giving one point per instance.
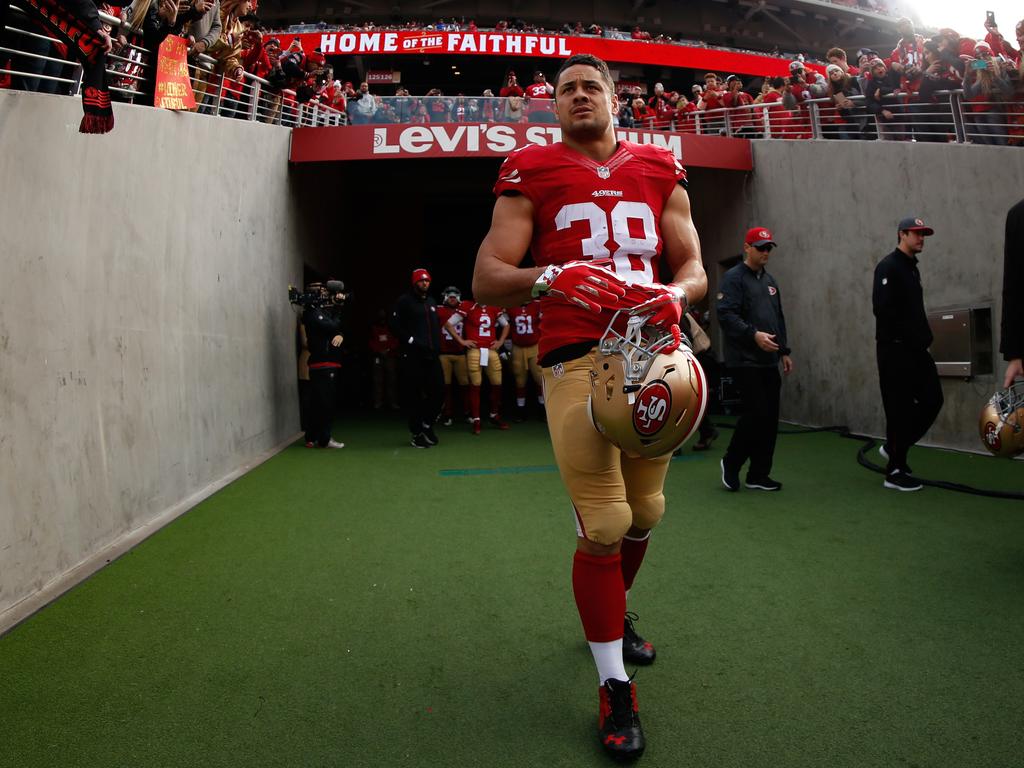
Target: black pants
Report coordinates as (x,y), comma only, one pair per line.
(323,394)
(758,426)
(421,388)
(710,365)
(911,395)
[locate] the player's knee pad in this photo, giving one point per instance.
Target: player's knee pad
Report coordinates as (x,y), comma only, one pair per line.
(446,371)
(603,523)
(647,510)
(461,373)
(494,371)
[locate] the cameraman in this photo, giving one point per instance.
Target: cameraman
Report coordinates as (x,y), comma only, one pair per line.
(321,323)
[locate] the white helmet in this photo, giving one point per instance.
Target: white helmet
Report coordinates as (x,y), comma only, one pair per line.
(1001,425)
(643,398)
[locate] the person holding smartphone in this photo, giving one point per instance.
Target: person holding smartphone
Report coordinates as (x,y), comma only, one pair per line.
(986,89)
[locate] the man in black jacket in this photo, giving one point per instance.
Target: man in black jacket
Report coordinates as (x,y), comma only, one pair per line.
(750,314)
(1012,333)
(911,393)
(415,324)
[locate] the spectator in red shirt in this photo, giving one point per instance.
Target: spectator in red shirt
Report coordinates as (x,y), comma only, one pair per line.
(541,96)
(907,57)
(742,120)
(511,87)
(837,56)
(998,44)
(684,114)
(643,115)
(662,107)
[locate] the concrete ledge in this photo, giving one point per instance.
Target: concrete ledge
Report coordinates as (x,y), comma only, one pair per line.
(27,607)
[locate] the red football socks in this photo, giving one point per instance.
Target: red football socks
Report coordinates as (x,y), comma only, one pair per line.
(600,595)
(495,400)
(474,401)
(633,551)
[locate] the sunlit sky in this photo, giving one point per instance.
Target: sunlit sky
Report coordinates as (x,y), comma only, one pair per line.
(967,16)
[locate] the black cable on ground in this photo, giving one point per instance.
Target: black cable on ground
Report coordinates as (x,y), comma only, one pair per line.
(870,443)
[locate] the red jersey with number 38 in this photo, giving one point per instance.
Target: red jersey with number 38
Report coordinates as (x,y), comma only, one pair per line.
(589,210)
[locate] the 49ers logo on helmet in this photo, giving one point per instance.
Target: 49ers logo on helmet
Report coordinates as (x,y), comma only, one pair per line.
(652,408)
(991,436)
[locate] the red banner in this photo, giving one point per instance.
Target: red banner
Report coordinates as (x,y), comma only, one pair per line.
(173,88)
(544,46)
(367,142)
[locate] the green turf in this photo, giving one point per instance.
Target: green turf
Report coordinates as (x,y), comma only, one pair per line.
(383,606)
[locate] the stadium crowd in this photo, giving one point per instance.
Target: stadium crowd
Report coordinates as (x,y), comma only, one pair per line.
(900,95)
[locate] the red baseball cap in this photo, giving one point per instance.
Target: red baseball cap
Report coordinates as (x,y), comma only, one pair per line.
(419,274)
(757,236)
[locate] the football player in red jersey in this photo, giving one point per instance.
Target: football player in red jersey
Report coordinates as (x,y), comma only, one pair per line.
(591,197)
(453,353)
(524,331)
(482,341)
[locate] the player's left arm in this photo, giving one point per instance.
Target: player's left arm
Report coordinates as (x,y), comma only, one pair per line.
(681,246)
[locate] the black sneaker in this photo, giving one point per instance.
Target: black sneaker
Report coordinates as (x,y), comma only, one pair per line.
(420,441)
(763,483)
(635,650)
(520,415)
(430,435)
(447,421)
(618,721)
(730,477)
(899,480)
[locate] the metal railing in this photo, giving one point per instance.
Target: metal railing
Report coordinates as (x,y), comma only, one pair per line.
(950,118)
(34,67)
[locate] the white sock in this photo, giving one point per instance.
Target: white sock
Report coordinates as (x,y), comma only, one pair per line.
(521,402)
(540,399)
(608,658)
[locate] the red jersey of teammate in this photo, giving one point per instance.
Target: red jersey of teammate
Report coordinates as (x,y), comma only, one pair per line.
(524,324)
(449,346)
(479,322)
(588,210)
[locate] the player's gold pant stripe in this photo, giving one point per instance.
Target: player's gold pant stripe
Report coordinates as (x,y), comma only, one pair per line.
(454,364)
(493,367)
(524,360)
(610,491)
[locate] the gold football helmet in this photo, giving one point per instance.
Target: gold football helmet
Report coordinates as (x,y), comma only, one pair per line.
(1001,425)
(647,390)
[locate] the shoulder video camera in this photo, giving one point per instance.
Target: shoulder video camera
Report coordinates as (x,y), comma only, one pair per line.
(319,294)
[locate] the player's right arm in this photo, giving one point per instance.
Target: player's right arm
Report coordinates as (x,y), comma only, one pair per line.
(497,278)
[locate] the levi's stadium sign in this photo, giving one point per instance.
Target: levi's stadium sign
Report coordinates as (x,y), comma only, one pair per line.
(541,46)
(365,142)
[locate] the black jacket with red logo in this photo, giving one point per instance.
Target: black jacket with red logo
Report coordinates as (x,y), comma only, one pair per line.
(748,302)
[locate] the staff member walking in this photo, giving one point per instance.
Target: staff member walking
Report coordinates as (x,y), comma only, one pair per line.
(750,314)
(415,323)
(911,393)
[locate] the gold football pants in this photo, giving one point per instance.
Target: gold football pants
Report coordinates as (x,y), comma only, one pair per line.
(609,490)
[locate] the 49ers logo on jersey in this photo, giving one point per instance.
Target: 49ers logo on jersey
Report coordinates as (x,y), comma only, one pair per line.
(991,436)
(652,408)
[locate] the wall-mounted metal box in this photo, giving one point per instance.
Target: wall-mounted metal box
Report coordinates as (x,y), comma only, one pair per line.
(963,341)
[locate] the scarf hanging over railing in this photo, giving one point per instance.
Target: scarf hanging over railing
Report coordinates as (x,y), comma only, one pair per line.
(76,33)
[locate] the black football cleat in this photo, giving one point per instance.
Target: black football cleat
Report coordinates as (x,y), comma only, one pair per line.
(619,722)
(428,432)
(635,650)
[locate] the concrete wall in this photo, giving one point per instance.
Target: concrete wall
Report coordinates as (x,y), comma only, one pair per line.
(146,341)
(833,207)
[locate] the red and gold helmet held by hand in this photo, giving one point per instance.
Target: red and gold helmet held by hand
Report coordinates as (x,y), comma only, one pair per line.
(1001,425)
(647,390)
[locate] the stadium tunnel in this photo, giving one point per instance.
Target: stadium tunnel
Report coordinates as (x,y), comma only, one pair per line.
(433,213)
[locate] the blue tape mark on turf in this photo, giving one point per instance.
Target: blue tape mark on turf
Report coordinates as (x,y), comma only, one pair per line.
(527,470)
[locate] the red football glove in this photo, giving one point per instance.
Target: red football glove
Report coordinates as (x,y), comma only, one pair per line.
(586,284)
(665,304)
